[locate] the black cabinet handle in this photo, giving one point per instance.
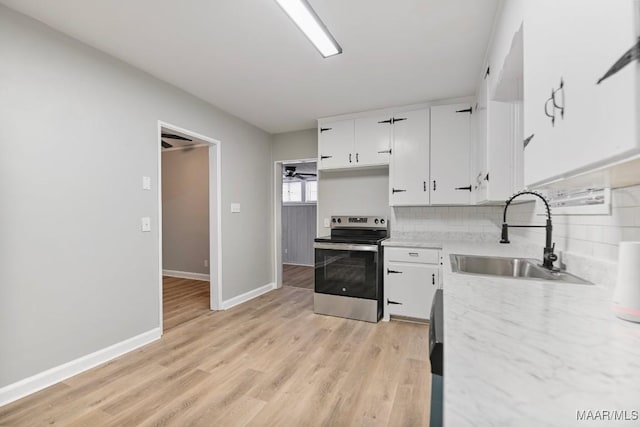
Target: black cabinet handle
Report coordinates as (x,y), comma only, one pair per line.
(434,185)
(433,279)
(325,157)
(486,178)
(385,151)
(357,158)
(350,158)
(546,109)
(467,188)
(395,190)
(386,121)
(629,56)
(393,271)
(399,119)
(424,185)
(555,97)
(324,129)
(393,302)
(466,110)
(528,139)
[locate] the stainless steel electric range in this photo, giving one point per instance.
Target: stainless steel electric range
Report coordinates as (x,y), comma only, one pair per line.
(348,268)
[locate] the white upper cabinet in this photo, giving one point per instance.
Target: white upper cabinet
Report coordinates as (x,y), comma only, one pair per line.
(497,158)
(450,154)
(578,124)
(409,167)
(363,142)
(373,140)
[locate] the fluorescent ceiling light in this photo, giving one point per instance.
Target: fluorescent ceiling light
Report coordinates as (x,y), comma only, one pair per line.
(306,19)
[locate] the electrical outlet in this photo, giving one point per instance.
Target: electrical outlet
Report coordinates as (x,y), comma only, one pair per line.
(146,183)
(327,222)
(235,207)
(206,263)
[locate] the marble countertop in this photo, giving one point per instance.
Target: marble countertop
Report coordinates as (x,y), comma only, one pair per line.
(520,352)
(529,353)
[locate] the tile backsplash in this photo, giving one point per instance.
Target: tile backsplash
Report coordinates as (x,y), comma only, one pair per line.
(462,219)
(594,236)
(587,244)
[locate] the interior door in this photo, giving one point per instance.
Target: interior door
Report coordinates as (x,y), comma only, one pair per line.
(409,168)
(450,154)
(373,140)
(335,145)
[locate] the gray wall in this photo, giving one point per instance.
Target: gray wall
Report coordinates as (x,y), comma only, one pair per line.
(298,232)
(296,145)
(185,210)
(352,192)
(78,132)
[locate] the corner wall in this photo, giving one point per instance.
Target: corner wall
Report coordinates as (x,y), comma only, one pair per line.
(79,131)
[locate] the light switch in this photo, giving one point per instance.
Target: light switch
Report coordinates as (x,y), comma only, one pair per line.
(235,207)
(146,223)
(327,222)
(146,183)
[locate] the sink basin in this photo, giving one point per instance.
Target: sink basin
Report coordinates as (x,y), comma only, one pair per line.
(518,268)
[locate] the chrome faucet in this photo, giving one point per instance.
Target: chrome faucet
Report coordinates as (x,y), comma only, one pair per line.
(548,257)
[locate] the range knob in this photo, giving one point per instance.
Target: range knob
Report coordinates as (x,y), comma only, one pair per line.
(382,221)
(376,220)
(333,220)
(339,220)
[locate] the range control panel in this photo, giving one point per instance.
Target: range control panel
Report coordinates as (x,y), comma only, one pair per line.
(370,222)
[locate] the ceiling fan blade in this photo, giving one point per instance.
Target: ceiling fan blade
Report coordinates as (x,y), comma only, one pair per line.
(165,144)
(172,136)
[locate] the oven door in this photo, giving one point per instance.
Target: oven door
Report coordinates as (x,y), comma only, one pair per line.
(347,269)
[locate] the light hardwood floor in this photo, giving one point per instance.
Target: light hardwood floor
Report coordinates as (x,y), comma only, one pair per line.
(183,300)
(268,362)
(299,276)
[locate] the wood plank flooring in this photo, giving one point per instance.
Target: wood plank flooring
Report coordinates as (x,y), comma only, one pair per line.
(183,300)
(268,362)
(299,276)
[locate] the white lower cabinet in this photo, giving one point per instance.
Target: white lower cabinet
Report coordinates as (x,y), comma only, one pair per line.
(411,277)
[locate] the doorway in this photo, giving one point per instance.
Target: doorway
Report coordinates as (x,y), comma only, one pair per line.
(189,224)
(298,222)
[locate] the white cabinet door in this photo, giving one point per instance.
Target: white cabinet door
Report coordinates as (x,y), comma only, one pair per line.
(410,288)
(409,168)
(450,154)
(373,140)
(576,41)
(335,145)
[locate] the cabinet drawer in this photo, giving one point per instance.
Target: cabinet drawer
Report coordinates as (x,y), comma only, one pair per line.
(422,256)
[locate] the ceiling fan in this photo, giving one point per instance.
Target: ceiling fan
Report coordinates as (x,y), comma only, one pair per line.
(290,172)
(165,144)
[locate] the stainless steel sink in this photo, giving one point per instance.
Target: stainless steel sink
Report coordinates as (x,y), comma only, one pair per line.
(518,268)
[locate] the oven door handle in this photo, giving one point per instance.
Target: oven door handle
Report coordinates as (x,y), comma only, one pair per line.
(346,247)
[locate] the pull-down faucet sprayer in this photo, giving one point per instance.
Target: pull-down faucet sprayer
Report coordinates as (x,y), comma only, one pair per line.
(548,257)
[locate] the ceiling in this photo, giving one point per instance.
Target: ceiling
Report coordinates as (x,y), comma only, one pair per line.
(249,59)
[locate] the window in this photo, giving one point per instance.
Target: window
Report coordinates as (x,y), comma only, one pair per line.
(300,192)
(311,191)
(291,192)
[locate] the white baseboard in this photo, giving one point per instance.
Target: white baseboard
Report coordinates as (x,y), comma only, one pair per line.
(185,275)
(232,302)
(22,388)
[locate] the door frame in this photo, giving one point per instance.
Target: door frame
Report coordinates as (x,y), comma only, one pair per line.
(277,213)
(215,215)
